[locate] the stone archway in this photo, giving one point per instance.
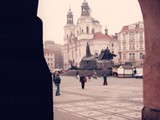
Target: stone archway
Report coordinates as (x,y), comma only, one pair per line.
(15,90)
(151,85)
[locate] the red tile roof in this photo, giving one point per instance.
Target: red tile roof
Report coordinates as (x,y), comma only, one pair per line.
(125,28)
(100,35)
(47,50)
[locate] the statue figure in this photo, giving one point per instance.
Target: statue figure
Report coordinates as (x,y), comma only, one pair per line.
(106,55)
(71,62)
(88,53)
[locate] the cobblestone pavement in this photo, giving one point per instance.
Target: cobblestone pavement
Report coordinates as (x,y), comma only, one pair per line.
(120,100)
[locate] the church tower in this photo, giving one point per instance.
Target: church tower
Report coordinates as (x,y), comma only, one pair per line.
(69,28)
(85,10)
(106,30)
(70,17)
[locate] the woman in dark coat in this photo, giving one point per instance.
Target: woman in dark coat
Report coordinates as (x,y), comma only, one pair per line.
(83,79)
(105,80)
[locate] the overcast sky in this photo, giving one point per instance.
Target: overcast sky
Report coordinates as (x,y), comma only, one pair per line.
(113,13)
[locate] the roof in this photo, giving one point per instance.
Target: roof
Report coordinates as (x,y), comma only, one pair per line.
(100,35)
(126,66)
(48,50)
(125,28)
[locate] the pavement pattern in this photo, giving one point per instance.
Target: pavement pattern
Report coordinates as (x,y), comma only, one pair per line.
(121,99)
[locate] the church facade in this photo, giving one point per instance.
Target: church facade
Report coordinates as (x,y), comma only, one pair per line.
(87,30)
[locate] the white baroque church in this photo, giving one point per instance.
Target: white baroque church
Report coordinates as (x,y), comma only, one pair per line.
(87,30)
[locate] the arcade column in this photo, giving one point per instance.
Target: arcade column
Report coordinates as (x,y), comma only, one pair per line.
(151,84)
(25,80)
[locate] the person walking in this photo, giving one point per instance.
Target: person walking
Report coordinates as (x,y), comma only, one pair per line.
(105,80)
(94,75)
(134,72)
(83,79)
(89,76)
(77,74)
(54,76)
(57,83)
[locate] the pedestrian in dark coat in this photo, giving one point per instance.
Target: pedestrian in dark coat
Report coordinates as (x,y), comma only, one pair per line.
(57,82)
(53,77)
(105,80)
(83,79)
(77,74)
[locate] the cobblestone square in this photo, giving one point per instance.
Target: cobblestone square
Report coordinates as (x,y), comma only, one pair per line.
(120,100)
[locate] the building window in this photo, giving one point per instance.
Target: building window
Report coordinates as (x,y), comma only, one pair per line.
(141,55)
(131,35)
(87,29)
(112,45)
(51,64)
(92,31)
(48,59)
(132,27)
(124,46)
(132,56)
(82,30)
(141,26)
(132,45)
(124,56)
(141,45)
(124,37)
(141,35)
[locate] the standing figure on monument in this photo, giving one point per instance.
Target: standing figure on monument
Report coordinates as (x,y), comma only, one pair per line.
(88,52)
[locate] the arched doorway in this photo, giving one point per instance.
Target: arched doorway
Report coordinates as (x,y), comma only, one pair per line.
(11,94)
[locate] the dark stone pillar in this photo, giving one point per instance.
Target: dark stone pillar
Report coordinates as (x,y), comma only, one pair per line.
(151,91)
(25,80)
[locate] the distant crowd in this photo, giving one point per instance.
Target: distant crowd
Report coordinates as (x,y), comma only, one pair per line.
(82,79)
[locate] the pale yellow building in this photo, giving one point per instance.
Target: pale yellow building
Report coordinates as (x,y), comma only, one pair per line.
(131,44)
